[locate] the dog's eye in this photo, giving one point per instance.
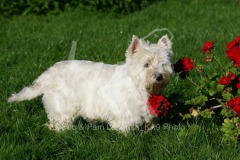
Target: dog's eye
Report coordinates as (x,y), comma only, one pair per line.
(146,65)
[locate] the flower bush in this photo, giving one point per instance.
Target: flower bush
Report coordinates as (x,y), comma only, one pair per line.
(218,93)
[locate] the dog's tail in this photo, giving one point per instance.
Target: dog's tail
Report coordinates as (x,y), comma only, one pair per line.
(27,93)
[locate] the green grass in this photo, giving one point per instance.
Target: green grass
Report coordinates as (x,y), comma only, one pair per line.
(29,45)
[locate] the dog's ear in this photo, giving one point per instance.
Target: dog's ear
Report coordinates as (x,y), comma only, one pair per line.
(165,42)
(133,45)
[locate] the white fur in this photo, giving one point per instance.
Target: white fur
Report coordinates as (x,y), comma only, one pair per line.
(115,94)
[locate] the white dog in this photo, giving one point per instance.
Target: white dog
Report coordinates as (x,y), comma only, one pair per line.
(115,94)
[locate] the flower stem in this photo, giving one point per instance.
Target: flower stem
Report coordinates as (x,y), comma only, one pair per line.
(220,63)
(215,107)
(195,84)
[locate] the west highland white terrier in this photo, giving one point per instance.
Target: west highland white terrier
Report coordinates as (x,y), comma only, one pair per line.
(98,92)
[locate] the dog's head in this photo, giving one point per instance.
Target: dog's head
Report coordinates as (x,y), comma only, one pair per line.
(150,65)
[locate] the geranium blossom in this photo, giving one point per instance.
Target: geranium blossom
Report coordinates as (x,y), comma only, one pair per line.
(230,103)
(231,75)
(159,105)
(235,105)
(207,47)
(238,84)
(184,65)
(226,80)
(233,51)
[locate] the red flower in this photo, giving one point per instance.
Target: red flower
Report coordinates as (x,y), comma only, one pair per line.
(237,101)
(231,45)
(238,39)
(238,84)
(233,51)
(237,60)
(235,105)
(230,103)
(224,81)
(184,65)
(188,64)
(231,75)
(158,104)
(227,80)
(207,47)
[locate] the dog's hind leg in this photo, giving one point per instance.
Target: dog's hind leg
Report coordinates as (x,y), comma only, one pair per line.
(60,118)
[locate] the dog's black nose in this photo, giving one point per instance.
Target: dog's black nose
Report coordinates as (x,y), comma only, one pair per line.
(159,77)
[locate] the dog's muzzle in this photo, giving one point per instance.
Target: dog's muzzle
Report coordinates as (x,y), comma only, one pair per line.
(159,77)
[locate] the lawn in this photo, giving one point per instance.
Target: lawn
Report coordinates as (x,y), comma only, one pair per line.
(31,44)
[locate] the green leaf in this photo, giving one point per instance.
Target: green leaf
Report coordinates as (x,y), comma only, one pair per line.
(197,101)
(211,92)
(220,87)
(213,76)
(230,130)
(226,112)
(186,116)
(207,113)
(212,88)
(227,96)
(235,120)
(213,84)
